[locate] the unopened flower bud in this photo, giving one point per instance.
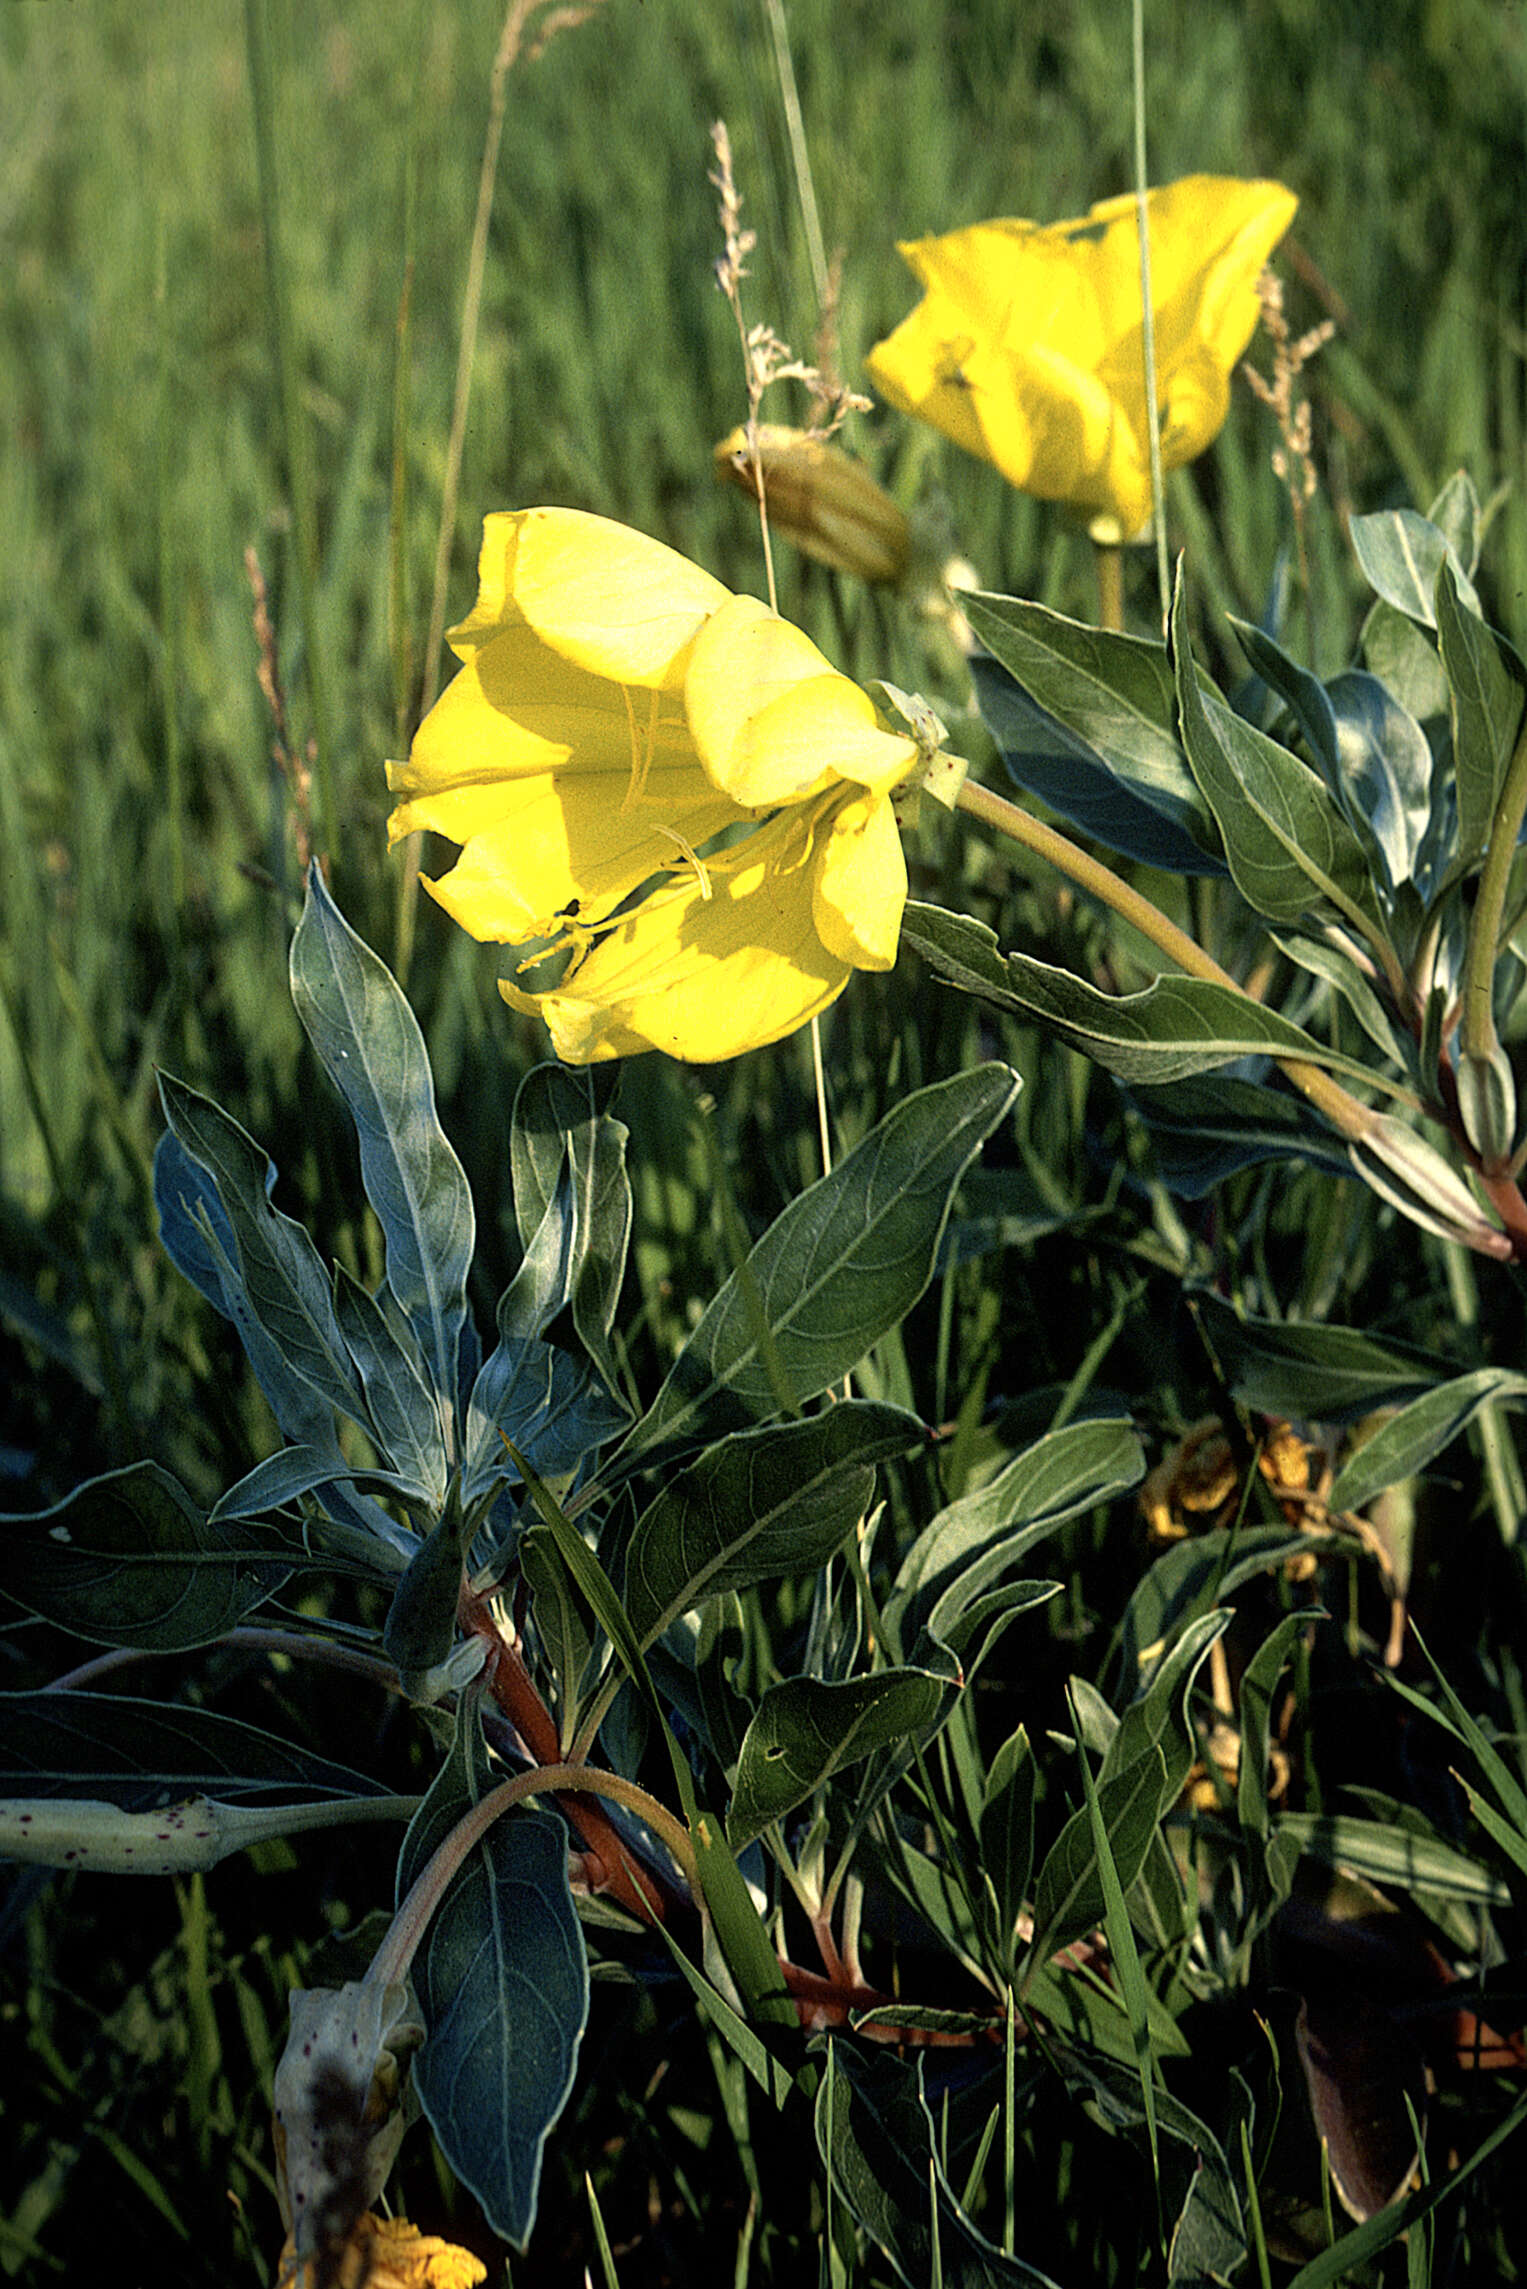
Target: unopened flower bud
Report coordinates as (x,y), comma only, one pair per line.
(820,498)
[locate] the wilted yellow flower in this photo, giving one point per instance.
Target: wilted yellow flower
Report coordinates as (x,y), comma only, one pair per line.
(666,782)
(821,498)
(386,2253)
(1027,347)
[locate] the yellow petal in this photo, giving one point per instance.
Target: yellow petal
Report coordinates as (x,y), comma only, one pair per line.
(534,850)
(772,721)
(1027,348)
(860,887)
(604,597)
(562,788)
(703,977)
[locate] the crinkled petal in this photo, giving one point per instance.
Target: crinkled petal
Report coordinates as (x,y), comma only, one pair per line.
(562,788)
(606,598)
(1027,348)
(860,885)
(772,721)
(703,978)
(537,849)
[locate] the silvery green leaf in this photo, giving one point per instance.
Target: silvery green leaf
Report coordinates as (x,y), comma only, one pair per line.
(843,1263)
(280,1274)
(129,1559)
(1287,841)
(1174,1026)
(1487,1103)
(1485,701)
(1206,1128)
(1117,769)
(501,1978)
(805,1730)
(404,1410)
(369,1040)
(1401,555)
(1405,660)
(551,1405)
(1457,516)
(1410,1439)
(1386,768)
(565,1147)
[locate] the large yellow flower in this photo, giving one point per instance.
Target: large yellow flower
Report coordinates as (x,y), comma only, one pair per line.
(1027,347)
(665,781)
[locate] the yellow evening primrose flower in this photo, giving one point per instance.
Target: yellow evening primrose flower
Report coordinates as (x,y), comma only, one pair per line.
(1027,347)
(664,781)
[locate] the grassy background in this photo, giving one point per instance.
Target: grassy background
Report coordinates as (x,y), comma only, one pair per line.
(148,871)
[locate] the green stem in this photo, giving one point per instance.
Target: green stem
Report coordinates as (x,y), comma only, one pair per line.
(1349,1118)
(1108,556)
(1477,1035)
(299,460)
(393,1958)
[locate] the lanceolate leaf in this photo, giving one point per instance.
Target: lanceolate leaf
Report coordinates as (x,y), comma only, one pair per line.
(565,1147)
(1401,555)
(129,1559)
(1287,843)
(544,1399)
(1068,1898)
(502,1982)
(806,1730)
(1386,768)
(1486,709)
(1205,1129)
(844,1263)
(282,1276)
(404,1411)
(369,1040)
(1176,1025)
(762,1503)
(876,2135)
(1408,1442)
(135,1753)
(979,1539)
(1296,1368)
(1121,773)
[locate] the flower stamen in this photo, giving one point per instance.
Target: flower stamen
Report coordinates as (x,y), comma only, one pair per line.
(672,834)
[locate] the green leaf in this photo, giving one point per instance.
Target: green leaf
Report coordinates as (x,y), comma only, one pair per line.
(501,1978)
(1485,703)
(1406,1443)
(1300,1369)
(1385,762)
(557,1612)
(1288,846)
(1114,691)
(1176,1025)
(135,1753)
(1192,1575)
(370,1044)
(1007,1826)
(1391,1855)
(1156,1718)
(1303,694)
(779,1500)
(403,1411)
(843,1264)
(738,1927)
(421,1627)
(1259,1682)
(1203,1130)
(807,1729)
(130,1560)
(1457,515)
(566,1150)
(282,1276)
(1337,969)
(974,1542)
(1084,719)
(1403,658)
(1069,1895)
(1401,555)
(875,2134)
